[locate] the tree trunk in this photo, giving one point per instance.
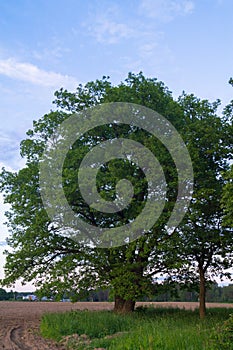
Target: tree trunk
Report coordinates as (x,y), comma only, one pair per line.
(202,293)
(123,306)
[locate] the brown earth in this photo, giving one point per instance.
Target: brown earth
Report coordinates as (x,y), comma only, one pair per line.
(19,321)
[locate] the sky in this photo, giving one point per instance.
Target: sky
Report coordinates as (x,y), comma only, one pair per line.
(46,45)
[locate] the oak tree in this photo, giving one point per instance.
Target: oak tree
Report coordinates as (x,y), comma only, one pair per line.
(39,252)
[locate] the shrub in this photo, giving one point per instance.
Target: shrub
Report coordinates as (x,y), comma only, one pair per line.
(222,338)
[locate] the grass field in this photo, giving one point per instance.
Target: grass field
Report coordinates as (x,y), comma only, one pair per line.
(145,329)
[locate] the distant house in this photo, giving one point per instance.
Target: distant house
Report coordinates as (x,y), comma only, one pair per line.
(30,297)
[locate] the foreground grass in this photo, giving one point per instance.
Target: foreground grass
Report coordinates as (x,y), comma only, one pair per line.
(145,329)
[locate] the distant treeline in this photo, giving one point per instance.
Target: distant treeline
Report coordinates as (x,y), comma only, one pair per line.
(215,293)
(222,294)
(13,295)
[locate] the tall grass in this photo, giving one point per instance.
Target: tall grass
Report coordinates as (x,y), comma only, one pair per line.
(151,329)
(94,324)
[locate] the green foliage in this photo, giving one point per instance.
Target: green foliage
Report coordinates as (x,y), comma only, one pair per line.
(227,198)
(4,295)
(222,338)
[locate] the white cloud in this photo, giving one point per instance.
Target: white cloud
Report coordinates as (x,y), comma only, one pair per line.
(108,25)
(110,32)
(31,73)
(166,10)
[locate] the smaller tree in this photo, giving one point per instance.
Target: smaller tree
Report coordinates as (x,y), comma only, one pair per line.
(203,242)
(227,197)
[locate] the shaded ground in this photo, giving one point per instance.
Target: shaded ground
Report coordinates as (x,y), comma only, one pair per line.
(19,321)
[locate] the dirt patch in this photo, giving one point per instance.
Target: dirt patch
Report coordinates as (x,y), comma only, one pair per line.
(19,321)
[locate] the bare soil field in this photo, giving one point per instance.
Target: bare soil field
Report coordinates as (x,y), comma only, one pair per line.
(19,321)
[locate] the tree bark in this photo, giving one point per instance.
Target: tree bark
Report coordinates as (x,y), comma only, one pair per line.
(202,293)
(123,306)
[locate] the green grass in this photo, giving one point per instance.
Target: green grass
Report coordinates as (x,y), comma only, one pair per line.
(150,329)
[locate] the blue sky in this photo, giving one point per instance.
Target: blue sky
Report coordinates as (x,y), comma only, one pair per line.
(45,45)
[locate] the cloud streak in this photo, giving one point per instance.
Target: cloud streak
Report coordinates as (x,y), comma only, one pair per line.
(166,10)
(30,73)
